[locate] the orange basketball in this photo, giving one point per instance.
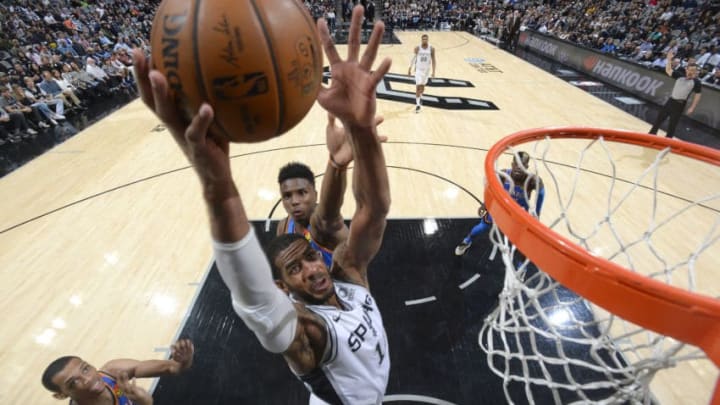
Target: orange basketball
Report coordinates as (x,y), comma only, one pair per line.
(258,63)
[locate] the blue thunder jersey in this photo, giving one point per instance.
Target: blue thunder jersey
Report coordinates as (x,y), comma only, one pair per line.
(326,253)
(110,384)
(516,191)
(356,364)
(518,194)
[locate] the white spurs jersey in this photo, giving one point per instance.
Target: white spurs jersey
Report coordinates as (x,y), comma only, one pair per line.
(356,364)
(423,59)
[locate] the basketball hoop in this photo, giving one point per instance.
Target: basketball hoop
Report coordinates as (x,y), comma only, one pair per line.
(654,313)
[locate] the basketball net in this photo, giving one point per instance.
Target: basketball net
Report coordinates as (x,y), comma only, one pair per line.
(636,243)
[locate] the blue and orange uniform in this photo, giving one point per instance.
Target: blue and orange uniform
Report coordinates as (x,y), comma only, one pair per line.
(327,254)
(118,397)
(518,194)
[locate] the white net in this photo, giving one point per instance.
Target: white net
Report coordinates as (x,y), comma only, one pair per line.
(655,213)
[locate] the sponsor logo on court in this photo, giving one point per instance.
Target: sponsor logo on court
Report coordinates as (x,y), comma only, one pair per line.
(482,66)
(622,76)
(385,91)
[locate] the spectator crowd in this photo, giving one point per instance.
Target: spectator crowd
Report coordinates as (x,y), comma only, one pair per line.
(641,31)
(58,56)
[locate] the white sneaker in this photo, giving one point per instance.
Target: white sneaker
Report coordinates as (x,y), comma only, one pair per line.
(462,248)
(58,117)
(417,109)
(31,131)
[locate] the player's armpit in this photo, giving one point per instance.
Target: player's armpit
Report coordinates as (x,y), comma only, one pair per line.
(307,349)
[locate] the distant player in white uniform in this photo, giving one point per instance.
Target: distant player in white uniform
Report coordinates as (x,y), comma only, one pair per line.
(330,332)
(424,62)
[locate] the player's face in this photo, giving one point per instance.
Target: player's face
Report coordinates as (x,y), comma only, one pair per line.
(424,40)
(79,380)
(517,172)
(691,72)
(304,273)
(299,199)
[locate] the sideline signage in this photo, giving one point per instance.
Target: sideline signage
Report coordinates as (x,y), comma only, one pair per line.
(644,83)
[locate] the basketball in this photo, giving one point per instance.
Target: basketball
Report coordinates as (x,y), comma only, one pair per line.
(258,63)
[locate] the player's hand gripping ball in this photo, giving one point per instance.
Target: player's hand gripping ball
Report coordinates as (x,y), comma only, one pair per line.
(258,63)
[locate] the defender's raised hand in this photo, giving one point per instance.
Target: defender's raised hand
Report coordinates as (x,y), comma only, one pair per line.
(182,352)
(351,95)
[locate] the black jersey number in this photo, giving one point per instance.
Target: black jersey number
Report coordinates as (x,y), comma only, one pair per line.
(380,353)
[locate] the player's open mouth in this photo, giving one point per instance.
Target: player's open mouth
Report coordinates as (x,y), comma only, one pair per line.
(97,386)
(320,285)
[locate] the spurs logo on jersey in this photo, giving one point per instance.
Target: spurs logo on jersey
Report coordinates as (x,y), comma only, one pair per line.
(356,365)
(357,337)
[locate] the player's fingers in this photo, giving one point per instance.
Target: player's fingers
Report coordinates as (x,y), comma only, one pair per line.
(198,128)
(354,33)
(141,69)
(372,47)
(380,72)
(327,42)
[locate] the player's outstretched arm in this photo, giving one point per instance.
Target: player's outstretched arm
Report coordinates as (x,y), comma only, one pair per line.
(181,359)
(208,153)
(326,224)
(351,98)
(265,309)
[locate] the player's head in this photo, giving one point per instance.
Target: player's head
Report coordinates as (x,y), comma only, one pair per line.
(72,377)
(691,71)
(299,269)
(297,190)
(520,166)
(424,39)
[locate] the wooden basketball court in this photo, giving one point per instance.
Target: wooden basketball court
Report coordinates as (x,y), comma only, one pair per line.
(104,239)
